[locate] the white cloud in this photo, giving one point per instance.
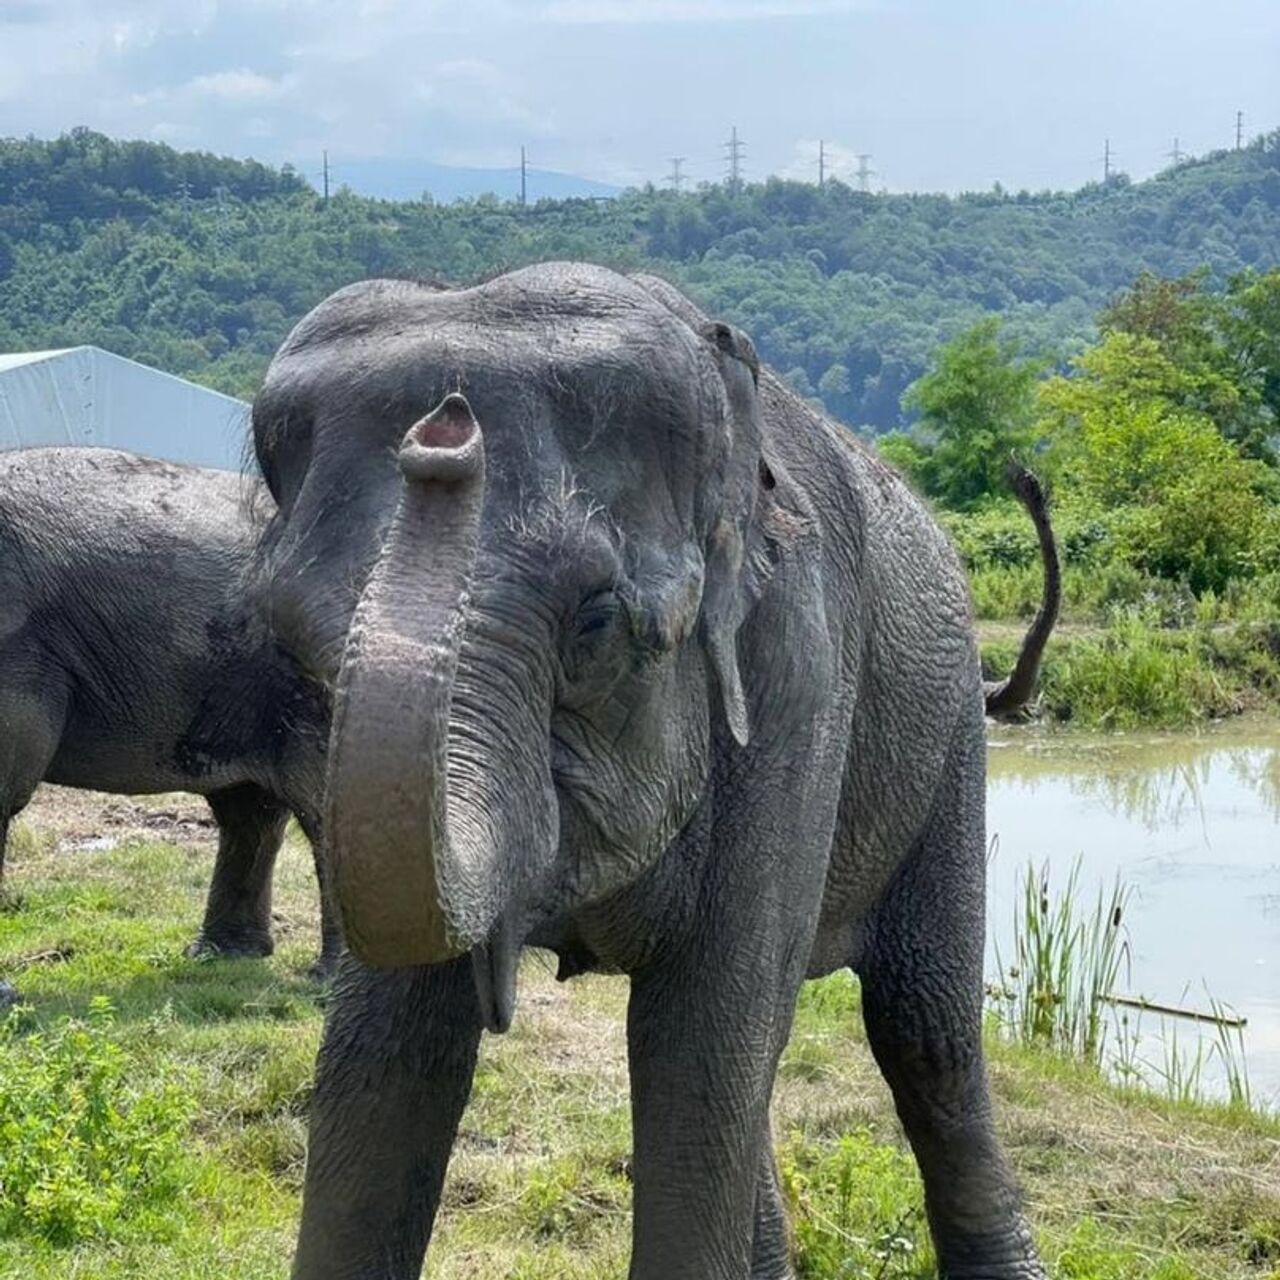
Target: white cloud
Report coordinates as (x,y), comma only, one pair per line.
(241,85)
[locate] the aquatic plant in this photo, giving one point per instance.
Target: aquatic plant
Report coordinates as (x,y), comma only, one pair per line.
(1066,962)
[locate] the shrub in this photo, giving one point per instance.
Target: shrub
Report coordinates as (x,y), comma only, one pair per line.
(83,1150)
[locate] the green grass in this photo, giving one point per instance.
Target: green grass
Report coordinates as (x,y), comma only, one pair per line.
(1119,1186)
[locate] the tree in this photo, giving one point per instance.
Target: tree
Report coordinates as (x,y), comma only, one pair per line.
(976,407)
(1224,347)
(1185,503)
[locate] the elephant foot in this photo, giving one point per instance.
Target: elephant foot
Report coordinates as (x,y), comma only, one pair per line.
(1013,1259)
(228,945)
(1015,1271)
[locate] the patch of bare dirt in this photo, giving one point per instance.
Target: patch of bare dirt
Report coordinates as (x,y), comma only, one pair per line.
(87,820)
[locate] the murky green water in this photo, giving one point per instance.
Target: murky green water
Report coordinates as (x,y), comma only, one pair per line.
(1192,822)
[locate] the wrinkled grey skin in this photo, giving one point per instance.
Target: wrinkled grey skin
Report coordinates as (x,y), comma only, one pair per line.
(1007,699)
(132,660)
(651,666)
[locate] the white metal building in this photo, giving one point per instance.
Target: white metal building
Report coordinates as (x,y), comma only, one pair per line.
(87,396)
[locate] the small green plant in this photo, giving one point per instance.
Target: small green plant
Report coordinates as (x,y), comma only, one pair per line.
(857,1210)
(83,1150)
(1066,963)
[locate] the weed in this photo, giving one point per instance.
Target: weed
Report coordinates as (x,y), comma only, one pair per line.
(85,1149)
(858,1209)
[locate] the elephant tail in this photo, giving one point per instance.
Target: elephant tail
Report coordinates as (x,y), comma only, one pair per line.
(1006,698)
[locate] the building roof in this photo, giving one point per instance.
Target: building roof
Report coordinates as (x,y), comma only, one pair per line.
(87,396)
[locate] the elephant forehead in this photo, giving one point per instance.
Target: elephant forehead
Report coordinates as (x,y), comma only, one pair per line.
(598,396)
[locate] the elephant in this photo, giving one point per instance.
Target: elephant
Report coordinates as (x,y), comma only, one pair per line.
(133,659)
(638,658)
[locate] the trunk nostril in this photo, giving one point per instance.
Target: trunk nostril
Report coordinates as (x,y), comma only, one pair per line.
(445,445)
(447,426)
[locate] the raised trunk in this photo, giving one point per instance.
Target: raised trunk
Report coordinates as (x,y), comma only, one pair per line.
(406,894)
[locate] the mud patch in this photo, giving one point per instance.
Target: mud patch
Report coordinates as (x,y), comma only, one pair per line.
(91,821)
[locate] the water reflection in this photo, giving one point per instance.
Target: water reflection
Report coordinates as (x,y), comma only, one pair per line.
(1192,822)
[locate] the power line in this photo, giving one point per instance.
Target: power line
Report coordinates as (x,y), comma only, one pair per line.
(676,178)
(865,171)
(736,150)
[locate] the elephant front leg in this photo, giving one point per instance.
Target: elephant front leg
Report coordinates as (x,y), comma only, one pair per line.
(393,1076)
(705,1031)
(771,1235)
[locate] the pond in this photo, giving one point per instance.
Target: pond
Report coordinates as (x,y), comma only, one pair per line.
(1192,823)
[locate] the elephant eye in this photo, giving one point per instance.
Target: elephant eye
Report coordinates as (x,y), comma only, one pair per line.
(597,614)
(593,626)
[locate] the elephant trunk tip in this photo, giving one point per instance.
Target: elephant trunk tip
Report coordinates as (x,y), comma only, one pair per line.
(445,445)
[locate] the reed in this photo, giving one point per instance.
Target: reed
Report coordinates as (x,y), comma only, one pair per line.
(1067,960)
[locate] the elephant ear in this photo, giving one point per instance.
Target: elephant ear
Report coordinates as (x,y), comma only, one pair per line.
(742,542)
(729,589)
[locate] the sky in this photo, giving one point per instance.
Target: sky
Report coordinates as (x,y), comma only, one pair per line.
(943,94)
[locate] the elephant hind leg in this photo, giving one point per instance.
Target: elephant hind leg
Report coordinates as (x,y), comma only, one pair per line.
(922,1003)
(237,918)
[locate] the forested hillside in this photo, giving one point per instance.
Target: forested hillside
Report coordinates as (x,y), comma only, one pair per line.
(199,264)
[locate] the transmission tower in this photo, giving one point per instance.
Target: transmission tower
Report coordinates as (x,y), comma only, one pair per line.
(822,164)
(1239,129)
(222,218)
(865,171)
(676,177)
(736,149)
(1177,155)
(326,177)
(1107,157)
(524,179)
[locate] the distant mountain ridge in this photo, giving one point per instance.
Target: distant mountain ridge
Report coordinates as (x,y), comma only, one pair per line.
(200,265)
(409,179)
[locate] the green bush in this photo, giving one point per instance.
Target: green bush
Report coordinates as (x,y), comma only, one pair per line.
(84,1151)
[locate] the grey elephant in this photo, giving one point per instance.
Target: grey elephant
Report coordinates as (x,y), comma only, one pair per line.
(133,659)
(639,659)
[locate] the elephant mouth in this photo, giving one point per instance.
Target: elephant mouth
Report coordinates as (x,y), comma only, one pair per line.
(495,966)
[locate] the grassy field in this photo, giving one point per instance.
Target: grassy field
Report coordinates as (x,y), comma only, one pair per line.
(186,1156)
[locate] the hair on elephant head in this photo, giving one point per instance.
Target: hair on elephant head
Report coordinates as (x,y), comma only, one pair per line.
(518,530)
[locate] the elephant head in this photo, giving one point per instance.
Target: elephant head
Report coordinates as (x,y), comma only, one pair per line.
(517,529)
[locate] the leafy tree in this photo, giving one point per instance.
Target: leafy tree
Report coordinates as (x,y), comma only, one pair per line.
(976,408)
(1189,505)
(1212,340)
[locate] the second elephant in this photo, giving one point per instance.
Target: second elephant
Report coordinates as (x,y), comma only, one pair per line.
(133,659)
